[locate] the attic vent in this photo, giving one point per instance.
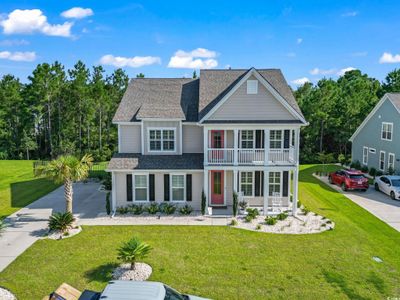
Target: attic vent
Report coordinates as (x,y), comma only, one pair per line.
(252,86)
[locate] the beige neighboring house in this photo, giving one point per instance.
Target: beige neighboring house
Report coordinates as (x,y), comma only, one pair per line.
(226,131)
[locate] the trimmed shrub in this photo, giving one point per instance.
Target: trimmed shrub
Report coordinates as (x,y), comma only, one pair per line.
(248,218)
(186,210)
(269,220)
(61,221)
(136,209)
(258,227)
(167,208)
(306,210)
(252,212)
(391,171)
(122,210)
(342,159)
(282,216)
(152,208)
(356,165)
(299,204)
(372,171)
(234,222)
(379,173)
(364,169)
(235,204)
(108,203)
(107,182)
(203,203)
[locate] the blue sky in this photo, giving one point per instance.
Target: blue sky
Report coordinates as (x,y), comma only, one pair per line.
(306,39)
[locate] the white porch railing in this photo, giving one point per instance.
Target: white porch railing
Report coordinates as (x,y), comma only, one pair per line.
(277,156)
(251,156)
(221,156)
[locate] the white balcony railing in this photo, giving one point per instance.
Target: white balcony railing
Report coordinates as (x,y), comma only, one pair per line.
(221,156)
(251,156)
(281,155)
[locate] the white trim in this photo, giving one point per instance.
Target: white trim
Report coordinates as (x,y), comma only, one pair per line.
(377,106)
(142,136)
(249,168)
(119,138)
(372,150)
(161,119)
(210,187)
(184,187)
(394,159)
(366,160)
(252,183)
(180,138)
(160,129)
(126,123)
(153,170)
(266,84)
(384,160)
(391,132)
(113,193)
(134,187)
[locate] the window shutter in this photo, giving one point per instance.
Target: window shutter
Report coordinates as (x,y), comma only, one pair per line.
(262,183)
(166,187)
(188,187)
(257,183)
(129,187)
(286,139)
(259,144)
(285,183)
(152,193)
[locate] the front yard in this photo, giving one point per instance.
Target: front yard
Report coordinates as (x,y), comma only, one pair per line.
(229,263)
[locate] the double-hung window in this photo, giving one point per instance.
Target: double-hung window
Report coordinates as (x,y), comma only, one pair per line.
(274,183)
(178,187)
(246,183)
(387,131)
(365,156)
(161,140)
(275,139)
(391,161)
(141,187)
(247,139)
(382,155)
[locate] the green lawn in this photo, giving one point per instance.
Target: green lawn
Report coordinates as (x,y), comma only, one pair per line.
(228,263)
(18,186)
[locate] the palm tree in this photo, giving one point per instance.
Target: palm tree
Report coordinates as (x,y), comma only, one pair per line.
(66,169)
(133,250)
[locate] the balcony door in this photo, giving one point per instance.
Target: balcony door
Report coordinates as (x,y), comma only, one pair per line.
(217,188)
(217,142)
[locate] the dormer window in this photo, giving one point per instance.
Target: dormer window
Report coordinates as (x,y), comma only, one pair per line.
(252,87)
(161,139)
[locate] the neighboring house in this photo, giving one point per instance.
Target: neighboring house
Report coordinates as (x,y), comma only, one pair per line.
(376,142)
(229,130)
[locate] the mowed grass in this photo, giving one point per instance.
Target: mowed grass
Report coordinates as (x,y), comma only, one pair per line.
(19,187)
(228,263)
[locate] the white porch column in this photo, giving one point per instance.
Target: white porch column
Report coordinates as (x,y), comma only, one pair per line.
(205,186)
(297,145)
(235,181)
(266,191)
(295,189)
(266,146)
(205,145)
(235,146)
(113,193)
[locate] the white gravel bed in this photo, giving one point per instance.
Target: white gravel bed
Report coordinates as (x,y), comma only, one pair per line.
(141,272)
(6,294)
(58,235)
(300,224)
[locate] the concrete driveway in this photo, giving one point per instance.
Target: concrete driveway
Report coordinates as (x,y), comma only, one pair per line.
(377,203)
(30,223)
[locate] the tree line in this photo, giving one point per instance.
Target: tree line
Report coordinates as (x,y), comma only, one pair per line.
(335,108)
(60,111)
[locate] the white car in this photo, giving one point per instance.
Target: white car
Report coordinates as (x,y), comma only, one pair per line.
(388,184)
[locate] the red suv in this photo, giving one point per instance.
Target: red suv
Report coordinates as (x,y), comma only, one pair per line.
(349,180)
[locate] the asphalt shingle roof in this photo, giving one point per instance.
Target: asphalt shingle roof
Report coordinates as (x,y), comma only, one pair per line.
(395,97)
(136,161)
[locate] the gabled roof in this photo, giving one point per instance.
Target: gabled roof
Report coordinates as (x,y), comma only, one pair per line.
(191,99)
(394,98)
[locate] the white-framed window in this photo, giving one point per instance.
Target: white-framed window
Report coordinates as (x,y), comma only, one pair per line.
(161,139)
(247,138)
(246,183)
(372,150)
(274,182)
(178,187)
(387,131)
(365,156)
(382,155)
(141,188)
(391,160)
(275,139)
(252,86)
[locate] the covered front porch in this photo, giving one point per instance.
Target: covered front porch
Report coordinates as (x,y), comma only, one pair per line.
(271,190)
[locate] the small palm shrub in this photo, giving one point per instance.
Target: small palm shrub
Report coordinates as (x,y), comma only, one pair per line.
(136,209)
(242,205)
(122,210)
(258,227)
(61,221)
(153,208)
(270,220)
(186,210)
(234,222)
(282,216)
(132,250)
(167,208)
(248,219)
(306,210)
(108,203)
(252,212)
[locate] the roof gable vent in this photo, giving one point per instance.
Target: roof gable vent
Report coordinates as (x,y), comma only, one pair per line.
(252,87)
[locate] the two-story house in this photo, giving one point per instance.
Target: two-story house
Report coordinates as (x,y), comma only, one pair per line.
(228,130)
(376,142)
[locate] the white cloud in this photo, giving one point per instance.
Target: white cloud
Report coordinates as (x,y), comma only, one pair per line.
(299,41)
(9,43)
(318,71)
(350,14)
(77,13)
(18,56)
(133,62)
(344,70)
(30,21)
(199,58)
(300,81)
(389,58)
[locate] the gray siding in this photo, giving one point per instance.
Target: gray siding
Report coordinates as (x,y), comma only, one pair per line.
(129,138)
(162,124)
(370,136)
(192,139)
(260,106)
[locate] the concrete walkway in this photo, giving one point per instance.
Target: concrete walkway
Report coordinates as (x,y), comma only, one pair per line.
(29,224)
(377,203)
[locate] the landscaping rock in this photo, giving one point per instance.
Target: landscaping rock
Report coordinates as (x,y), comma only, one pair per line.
(58,235)
(141,273)
(6,294)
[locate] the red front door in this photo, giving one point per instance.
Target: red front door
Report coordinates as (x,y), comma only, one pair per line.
(217,187)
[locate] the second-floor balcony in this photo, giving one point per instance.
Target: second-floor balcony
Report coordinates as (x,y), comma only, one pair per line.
(228,156)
